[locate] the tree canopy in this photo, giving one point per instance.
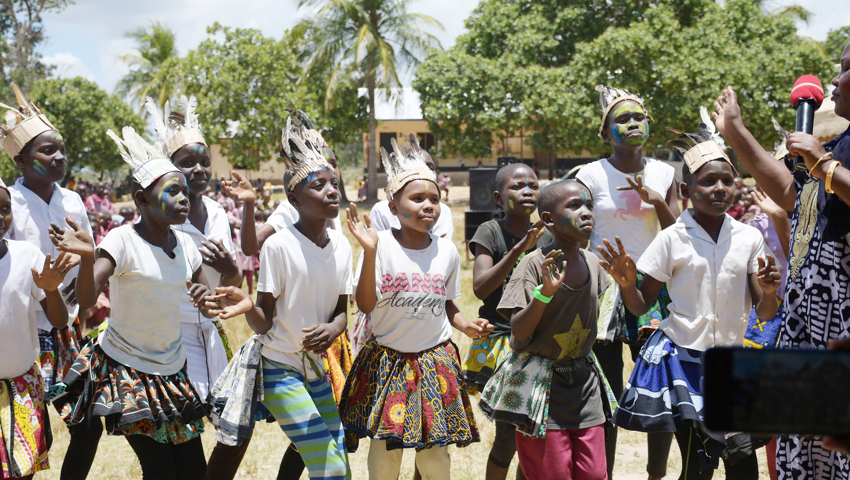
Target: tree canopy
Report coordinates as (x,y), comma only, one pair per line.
(151,66)
(21,34)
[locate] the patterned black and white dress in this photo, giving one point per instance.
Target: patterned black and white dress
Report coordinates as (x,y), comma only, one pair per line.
(818,303)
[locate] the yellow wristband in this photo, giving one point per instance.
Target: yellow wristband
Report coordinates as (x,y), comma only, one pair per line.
(825,157)
(829,174)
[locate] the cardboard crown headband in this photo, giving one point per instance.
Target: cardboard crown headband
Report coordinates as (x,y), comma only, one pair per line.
(174,129)
(609,97)
(22,124)
(405,165)
(706,145)
(146,160)
(301,148)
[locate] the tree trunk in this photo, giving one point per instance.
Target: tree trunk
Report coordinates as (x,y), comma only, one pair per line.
(372,158)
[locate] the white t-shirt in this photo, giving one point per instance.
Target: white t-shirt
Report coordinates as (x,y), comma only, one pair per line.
(146,290)
(31,224)
(19,337)
(383,219)
(306,281)
(622,213)
(709,290)
(285,215)
(216,228)
(412,288)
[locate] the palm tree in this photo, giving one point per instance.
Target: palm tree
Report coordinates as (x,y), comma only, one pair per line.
(151,66)
(375,38)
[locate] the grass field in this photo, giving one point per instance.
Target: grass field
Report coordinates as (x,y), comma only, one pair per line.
(115,460)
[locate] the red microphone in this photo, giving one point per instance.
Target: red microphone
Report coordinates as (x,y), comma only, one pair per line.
(806,97)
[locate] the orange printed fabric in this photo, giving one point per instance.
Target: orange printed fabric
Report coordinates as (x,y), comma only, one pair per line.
(23,438)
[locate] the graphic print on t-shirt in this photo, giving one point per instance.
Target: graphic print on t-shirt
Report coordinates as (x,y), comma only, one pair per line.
(572,340)
(419,293)
(633,209)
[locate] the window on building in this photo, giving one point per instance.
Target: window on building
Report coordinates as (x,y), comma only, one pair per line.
(386,141)
(426,141)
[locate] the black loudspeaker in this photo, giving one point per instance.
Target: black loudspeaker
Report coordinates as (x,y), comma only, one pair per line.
(482,184)
(472,219)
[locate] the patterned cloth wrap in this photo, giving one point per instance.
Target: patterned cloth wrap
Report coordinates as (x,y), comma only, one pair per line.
(411,400)
(761,333)
(519,392)
(362,331)
(483,358)
(164,408)
(25,433)
(47,356)
(337,361)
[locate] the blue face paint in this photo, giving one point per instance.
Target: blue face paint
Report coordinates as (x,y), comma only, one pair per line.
(39,168)
(406,215)
(199,149)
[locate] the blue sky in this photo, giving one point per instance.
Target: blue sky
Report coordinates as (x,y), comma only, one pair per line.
(86,38)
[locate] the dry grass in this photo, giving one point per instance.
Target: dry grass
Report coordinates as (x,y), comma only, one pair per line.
(115,459)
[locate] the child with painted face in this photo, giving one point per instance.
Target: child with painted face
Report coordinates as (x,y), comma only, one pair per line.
(634,197)
(207,347)
(405,389)
(25,439)
(301,309)
(715,269)
(552,303)
(38,151)
(498,246)
(134,374)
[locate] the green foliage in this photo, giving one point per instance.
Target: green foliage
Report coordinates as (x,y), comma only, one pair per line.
(678,55)
(151,67)
(82,112)
(835,42)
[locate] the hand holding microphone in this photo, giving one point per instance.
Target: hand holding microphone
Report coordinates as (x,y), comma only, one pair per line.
(806,97)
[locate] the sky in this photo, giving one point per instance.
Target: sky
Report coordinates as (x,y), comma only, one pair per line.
(86,38)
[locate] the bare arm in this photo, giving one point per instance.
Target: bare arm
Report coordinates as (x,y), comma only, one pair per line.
(261,317)
(49,280)
(771,175)
(808,147)
(367,236)
(487,277)
(478,328)
(619,265)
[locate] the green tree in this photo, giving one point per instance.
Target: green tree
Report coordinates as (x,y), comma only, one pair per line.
(21,33)
(82,112)
(152,66)
(374,38)
(835,41)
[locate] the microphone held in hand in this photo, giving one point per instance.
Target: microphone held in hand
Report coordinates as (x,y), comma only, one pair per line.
(806,97)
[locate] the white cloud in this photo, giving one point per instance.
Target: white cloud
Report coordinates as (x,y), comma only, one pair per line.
(67,65)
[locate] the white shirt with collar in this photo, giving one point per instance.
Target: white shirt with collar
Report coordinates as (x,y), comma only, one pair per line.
(32,218)
(710,299)
(383,219)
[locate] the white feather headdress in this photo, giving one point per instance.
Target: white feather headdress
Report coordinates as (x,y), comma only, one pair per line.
(302,149)
(405,165)
(22,124)
(701,147)
(610,96)
(146,160)
(176,130)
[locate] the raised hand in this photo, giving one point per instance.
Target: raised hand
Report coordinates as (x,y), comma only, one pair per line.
(552,279)
(362,230)
(646,194)
(228,302)
(768,275)
(52,273)
(767,205)
(534,234)
(726,110)
(319,337)
(478,328)
(618,263)
(239,188)
(72,240)
(216,256)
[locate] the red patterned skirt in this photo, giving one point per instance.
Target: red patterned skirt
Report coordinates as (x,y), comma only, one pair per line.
(24,428)
(163,407)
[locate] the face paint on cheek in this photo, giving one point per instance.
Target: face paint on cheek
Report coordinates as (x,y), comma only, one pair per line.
(698,196)
(406,215)
(39,168)
(511,203)
(528,211)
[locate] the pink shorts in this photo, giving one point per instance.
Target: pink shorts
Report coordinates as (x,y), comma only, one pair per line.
(564,455)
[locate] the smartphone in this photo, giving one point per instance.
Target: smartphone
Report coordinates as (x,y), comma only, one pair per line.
(777,391)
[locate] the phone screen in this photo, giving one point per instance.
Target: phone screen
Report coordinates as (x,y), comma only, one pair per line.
(777,391)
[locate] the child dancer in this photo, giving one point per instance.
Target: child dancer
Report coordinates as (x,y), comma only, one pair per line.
(25,433)
(715,269)
(303,288)
(498,246)
(552,301)
(405,389)
(207,347)
(38,151)
(134,374)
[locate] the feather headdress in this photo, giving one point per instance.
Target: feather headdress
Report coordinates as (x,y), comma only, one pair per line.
(610,97)
(174,129)
(146,160)
(22,124)
(701,147)
(301,149)
(405,165)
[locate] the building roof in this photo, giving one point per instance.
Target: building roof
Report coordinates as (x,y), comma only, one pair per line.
(404,104)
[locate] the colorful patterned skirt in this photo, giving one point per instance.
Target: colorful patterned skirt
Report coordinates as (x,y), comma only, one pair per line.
(338,361)
(410,400)
(59,349)
(24,427)
(483,358)
(163,407)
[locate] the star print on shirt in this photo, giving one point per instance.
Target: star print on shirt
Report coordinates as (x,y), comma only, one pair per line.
(571,341)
